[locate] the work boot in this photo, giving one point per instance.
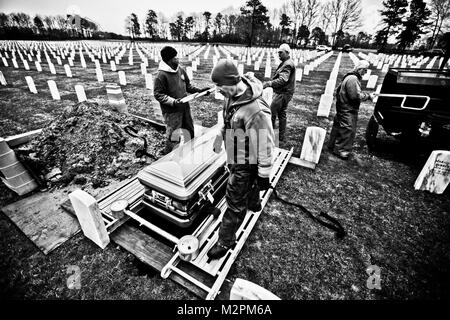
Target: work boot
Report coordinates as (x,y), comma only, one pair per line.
(218,251)
(344,155)
(255,208)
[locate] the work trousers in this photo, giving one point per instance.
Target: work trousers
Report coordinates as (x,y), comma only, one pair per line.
(278,108)
(175,121)
(344,130)
(242,192)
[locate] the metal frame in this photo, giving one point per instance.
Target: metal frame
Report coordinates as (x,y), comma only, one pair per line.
(207,234)
(404,96)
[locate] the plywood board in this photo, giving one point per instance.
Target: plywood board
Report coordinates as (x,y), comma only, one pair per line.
(42,220)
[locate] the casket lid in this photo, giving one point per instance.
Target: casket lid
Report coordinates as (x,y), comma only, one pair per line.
(184,164)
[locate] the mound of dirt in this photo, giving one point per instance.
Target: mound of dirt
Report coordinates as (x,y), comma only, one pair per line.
(89,144)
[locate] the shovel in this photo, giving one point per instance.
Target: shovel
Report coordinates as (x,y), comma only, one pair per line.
(143,150)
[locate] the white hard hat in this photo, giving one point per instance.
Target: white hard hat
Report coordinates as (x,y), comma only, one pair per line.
(284,47)
(361,64)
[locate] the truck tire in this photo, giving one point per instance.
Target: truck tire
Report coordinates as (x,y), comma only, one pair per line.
(371,133)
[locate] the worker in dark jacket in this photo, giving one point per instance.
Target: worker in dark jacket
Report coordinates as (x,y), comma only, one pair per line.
(348,99)
(249,144)
(283,84)
(170,86)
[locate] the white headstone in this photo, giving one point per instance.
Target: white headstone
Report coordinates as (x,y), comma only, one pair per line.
(122,78)
(25,64)
(15,63)
(367,75)
(53,90)
(99,74)
(5,62)
(143,68)
(52,68)
(88,213)
(68,71)
(2,79)
(372,81)
(326,100)
(312,144)
(267,72)
(241,69)
(298,74)
(81,95)
(149,81)
(38,66)
(31,85)
(97,64)
(58,60)
(306,70)
(435,175)
(256,66)
(189,73)
(113,65)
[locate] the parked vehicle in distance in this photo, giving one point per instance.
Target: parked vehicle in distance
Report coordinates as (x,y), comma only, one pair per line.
(347,48)
(433,52)
(322,47)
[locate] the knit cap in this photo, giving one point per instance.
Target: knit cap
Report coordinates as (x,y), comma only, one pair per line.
(168,53)
(225,73)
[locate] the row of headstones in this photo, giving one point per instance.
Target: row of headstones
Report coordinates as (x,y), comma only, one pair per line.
(383,61)
(102,55)
(326,99)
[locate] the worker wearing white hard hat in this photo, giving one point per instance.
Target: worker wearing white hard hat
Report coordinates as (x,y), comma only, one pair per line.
(348,99)
(283,84)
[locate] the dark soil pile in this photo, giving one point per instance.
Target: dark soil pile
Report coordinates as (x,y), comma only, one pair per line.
(89,144)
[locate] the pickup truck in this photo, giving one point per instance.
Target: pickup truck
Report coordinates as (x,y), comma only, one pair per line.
(413,104)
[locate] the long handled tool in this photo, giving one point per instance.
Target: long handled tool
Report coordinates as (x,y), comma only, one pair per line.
(197,95)
(143,150)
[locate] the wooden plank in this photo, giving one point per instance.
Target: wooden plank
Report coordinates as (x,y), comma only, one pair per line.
(147,249)
(155,254)
(22,138)
(302,163)
(42,221)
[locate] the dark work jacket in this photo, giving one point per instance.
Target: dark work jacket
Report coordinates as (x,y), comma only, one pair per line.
(245,117)
(283,81)
(349,94)
(170,85)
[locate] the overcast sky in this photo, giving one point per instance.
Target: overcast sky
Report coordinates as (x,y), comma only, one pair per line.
(111,14)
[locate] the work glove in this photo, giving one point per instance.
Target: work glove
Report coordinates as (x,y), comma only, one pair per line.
(217,147)
(266,84)
(205,89)
(263,183)
(177,103)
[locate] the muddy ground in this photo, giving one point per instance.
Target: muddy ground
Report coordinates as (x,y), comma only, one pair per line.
(406,233)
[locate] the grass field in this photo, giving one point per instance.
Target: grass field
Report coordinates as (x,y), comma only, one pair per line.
(406,233)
